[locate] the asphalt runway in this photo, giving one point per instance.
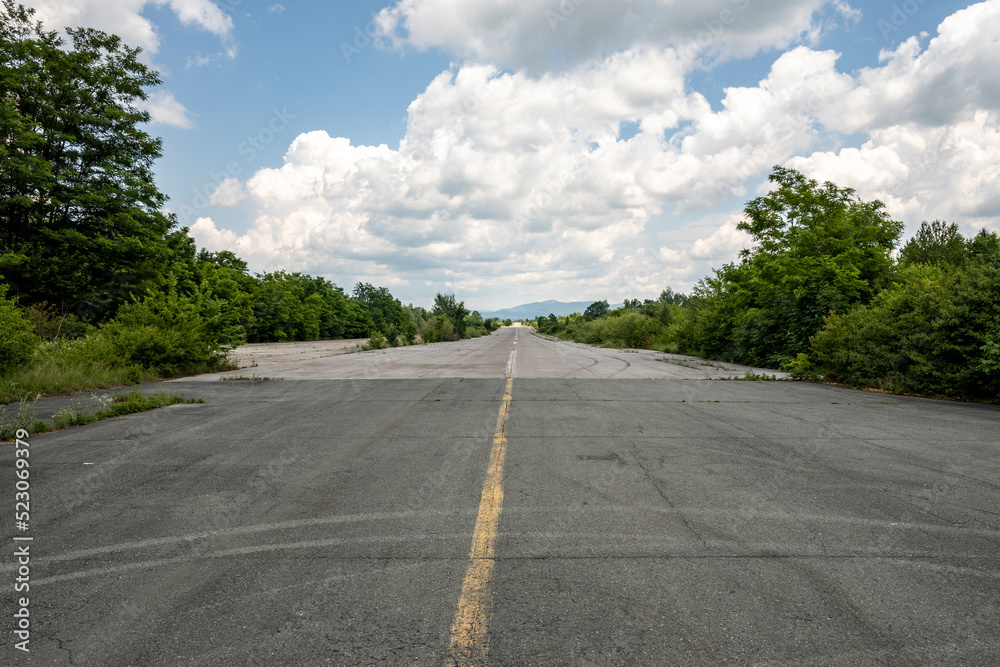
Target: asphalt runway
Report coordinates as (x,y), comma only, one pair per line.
(330,521)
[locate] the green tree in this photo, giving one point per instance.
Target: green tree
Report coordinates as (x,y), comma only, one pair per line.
(280,312)
(387,313)
(438,328)
(82,220)
(597,309)
(935,243)
(816,249)
(446,304)
(169,332)
(985,248)
(670,296)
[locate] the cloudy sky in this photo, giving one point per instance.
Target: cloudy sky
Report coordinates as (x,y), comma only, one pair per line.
(520,150)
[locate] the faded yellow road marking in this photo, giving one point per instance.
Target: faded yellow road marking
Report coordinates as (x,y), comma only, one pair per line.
(469,641)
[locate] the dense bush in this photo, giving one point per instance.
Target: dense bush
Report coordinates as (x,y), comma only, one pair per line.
(438,329)
(934,332)
(17,338)
(167,333)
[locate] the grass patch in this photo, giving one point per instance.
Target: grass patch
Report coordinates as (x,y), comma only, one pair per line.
(699,365)
(12,421)
(72,366)
(84,411)
(251,378)
(753,376)
(115,405)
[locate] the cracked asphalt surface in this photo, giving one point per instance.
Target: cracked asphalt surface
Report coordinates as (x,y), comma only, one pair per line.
(645,521)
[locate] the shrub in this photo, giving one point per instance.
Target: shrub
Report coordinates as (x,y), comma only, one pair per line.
(163,332)
(929,334)
(49,325)
(802,368)
(376,342)
(437,329)
(631,329)
(18,341)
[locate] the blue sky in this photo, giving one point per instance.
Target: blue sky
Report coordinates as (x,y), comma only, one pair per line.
(576,149)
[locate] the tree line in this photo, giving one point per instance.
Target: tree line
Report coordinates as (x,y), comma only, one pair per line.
(823,293)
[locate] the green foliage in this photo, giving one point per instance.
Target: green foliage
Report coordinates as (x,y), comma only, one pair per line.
(985,248)
(67,366)
(990,361)
(50,325)
(935,243)
(802,368)
(281,311)
(18,341)
(931,333)
(376,342)
(387,314)
(168,333)
(817,249)
(455,311)
(418,316)
(597,309)
(631,329)
(438,329)
(476,326)
(83,226)
(644,324)
(279,306)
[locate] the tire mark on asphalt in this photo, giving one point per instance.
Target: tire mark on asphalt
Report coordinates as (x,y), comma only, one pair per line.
(620,370)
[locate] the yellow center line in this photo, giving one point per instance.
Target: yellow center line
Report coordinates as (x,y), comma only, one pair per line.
(469,640)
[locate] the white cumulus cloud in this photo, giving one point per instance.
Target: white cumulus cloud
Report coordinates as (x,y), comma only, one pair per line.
(228,193)
(164,109)
(535,34)
(208,236)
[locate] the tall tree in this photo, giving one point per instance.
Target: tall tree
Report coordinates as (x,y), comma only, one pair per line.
(597,309)
(447,304)
(935,242)
(816,249)
(386,312)
(81,214)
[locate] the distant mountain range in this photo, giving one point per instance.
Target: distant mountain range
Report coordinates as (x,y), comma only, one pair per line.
(529,311)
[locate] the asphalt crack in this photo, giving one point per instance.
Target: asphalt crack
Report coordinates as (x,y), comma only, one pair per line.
(649,477)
